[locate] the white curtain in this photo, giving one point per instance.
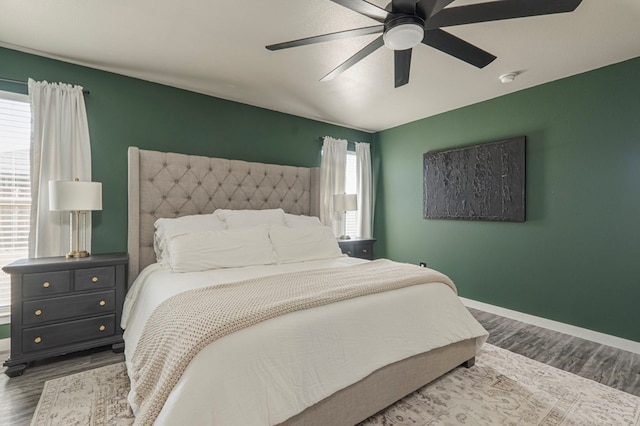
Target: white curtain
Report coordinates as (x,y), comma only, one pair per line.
(332,180)
(365,207)
(60,150)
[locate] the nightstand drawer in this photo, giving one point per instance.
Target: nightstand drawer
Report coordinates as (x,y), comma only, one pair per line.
(59,308)
(94,278)
(45,337)
(364,251)
(358,247)
(46,283)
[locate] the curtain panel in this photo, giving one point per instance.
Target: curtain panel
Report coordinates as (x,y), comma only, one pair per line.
(60,150)
(364,190)
(332,180)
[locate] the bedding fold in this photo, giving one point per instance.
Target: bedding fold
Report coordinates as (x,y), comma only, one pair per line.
(185,323)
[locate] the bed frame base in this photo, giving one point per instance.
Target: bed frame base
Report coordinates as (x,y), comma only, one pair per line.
(385,386)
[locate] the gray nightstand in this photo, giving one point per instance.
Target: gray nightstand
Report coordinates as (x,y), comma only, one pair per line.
(61,305)
(358,247)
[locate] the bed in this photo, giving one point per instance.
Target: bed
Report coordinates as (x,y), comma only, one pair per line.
(336,364)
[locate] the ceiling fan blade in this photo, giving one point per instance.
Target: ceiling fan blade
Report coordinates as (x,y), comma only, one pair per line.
(327,37)
(364,8)
(428,8)
(403,6)
(366,51)
(402,66)
(456,47)
(499,10)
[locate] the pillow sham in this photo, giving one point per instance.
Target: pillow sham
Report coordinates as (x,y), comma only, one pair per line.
(301,244)
(229,248)
(301,221)
(167,228)
(246,218)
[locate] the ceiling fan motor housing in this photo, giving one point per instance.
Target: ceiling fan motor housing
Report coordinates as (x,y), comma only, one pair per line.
(402,32)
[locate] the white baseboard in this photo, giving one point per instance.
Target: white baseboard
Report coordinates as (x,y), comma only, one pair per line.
(5,345)
(584,333)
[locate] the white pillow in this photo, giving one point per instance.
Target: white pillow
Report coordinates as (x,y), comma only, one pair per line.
(230,248)
(301,221)
(167,228)
(245,218)
(300,244)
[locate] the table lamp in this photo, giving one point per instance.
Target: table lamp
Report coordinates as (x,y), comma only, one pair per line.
(344,203)
(75,197)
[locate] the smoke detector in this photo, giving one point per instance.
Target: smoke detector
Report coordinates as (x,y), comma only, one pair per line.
(508,78)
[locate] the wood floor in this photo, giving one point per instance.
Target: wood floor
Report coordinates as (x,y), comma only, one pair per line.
(613,367)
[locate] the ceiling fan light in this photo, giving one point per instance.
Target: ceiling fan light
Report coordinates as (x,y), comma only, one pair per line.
(403,37)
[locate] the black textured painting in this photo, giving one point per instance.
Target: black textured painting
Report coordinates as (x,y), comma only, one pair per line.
(479,182)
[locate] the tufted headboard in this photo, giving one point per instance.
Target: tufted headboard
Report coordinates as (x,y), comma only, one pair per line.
(164,184)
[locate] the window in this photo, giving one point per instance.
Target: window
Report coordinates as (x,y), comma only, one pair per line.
(15,188)
(351,187)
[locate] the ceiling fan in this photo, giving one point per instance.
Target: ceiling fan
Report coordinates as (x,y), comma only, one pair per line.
(407,23)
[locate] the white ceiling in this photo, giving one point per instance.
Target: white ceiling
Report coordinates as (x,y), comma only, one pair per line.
(217,48)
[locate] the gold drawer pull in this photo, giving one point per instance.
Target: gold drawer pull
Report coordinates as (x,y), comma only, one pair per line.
(38,312)
(102,303)
(103,328)
(37,340)
(46,284)
(94,279)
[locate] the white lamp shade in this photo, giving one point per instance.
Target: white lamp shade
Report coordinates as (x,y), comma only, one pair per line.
(74,195)
(345,202)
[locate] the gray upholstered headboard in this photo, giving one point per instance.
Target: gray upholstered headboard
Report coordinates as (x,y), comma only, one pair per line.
(164,184)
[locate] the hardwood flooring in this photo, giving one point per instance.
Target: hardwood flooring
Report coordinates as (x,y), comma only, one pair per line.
(610,366)
(19,395)
(604,364)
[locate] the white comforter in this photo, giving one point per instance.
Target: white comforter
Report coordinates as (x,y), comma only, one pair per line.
(269,372)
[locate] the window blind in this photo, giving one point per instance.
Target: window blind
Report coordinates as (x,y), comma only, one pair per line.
(15,188)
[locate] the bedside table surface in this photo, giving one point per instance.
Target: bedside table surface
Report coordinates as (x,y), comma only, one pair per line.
(357,240)
(59,263)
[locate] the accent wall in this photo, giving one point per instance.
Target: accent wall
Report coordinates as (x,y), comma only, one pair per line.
(575,258)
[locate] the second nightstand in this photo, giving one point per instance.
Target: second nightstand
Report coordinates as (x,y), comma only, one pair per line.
(358,247)
(61,305)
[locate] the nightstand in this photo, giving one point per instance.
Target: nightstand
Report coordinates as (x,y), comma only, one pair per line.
(61,305)
(358,247)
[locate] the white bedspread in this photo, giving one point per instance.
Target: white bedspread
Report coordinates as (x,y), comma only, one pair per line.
(269,372)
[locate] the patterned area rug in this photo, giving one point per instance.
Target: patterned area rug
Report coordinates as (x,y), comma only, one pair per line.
(502,388)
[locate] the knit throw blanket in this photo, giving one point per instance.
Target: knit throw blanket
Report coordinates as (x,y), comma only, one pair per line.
(184,324)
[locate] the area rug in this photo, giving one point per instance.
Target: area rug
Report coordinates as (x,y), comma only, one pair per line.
(503,388)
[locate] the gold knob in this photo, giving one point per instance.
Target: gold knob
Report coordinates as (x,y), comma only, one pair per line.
(46,284)
(37,340)
(102,328)
(38,312)
(94,279)
(102,303)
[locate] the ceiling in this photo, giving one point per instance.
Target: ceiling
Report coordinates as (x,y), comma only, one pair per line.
(218,48)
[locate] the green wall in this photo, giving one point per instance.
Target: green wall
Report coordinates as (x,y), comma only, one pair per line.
(572,261)
(575,258)
(125,112)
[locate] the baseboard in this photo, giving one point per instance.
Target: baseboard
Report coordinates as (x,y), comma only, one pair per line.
(584,333)
(5,345)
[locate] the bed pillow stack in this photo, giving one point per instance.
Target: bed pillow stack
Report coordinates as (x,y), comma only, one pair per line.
(237,238)
(303,243)
(229,248)
(169,228)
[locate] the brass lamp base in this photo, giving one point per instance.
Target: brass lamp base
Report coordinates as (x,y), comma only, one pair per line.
(76,253)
